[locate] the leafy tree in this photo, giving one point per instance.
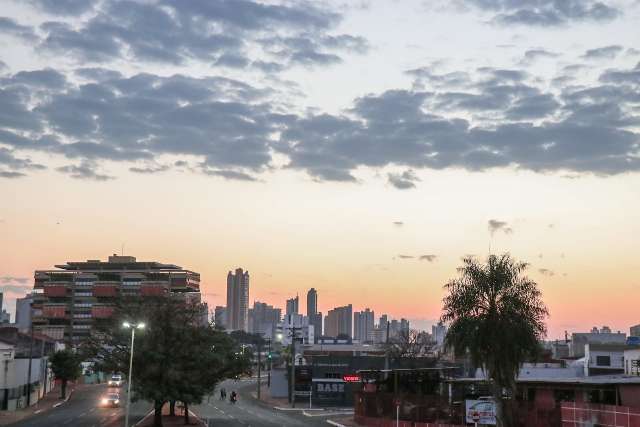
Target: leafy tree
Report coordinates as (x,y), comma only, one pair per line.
(65,365)
(496,316)
(175,357)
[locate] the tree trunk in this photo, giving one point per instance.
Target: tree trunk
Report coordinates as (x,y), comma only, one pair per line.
(186,413)
(172,408)
(63,389)
(157,413)
(502,418)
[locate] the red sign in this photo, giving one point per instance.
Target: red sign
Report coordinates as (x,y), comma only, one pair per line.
(397,402)
(475,417)
(351,378)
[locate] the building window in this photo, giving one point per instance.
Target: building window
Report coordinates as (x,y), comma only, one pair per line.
(603,360)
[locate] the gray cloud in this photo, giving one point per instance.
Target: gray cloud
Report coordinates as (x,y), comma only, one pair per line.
(218,32)
(606,52)
(15,167)
(495,225)
(428,258)
(63,7)
(546,272)
(494,118)
(84,170)
(406,256)
(535,54)
(515,124)
(230,174)
(12,28)
(545,13)
(404,180)
(18,285)
(149,169)
(11,174)
(13,279)
(398,223)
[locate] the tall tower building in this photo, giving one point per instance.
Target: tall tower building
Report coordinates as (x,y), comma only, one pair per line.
(312,302)
(363,322)
(315,317)
(238,300)
(339,321)
(292,306)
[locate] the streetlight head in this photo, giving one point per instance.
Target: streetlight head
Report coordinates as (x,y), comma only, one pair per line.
(126,324)
(141,325)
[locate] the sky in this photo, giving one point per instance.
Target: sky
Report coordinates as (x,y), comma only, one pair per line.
(358,147)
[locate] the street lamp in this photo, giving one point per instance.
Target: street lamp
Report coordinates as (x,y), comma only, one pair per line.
(133,328)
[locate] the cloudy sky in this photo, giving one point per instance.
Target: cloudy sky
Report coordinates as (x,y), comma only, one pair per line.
(359,147)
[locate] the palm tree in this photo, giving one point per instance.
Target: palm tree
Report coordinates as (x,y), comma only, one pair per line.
(496,315)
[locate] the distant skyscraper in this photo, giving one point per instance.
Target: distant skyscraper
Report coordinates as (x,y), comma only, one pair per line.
(363,322)
(220,316)
(438,333)
(315,318)
(263,319)
(23,312)
(238,300)
(312,302)
(339,321)
(292,305)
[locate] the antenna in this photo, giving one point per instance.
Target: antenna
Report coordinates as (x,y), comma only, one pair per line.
(122,249)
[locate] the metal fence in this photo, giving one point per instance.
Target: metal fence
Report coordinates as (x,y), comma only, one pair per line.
(587,415)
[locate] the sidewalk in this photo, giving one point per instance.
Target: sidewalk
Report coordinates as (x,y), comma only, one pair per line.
(49,401)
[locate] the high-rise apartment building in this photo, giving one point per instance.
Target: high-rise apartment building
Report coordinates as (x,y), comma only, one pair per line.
(69,299)
(438,333)
(263,319)
(315,317)
(238,300)
(339,321)
(220,316)
(634,331)
(23,313)
(363,322)
(292,306)
(312,302)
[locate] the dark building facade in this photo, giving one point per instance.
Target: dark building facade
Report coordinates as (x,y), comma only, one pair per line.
(68,300)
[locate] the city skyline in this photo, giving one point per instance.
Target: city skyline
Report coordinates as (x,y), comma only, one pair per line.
(359,148)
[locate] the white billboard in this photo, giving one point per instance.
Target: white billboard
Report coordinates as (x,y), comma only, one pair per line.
(480,411)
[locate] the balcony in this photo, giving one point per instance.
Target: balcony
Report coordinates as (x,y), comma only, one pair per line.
(58,311)
(102,311)
(154,288)
(55,290)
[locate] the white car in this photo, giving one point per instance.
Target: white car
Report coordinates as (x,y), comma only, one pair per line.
(115,381)
(110,400)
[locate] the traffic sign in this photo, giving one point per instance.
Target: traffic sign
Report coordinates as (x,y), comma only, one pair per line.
(475,417)
(397,402)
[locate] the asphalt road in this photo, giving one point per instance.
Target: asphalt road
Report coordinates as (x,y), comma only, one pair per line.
(82,410)
(248,412)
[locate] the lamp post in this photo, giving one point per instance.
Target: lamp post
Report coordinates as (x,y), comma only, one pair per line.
(133,328)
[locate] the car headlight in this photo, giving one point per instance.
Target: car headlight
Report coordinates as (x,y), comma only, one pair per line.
(116,401)
(105,401)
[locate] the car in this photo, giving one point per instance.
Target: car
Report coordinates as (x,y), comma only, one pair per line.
(115,381)
(111,400)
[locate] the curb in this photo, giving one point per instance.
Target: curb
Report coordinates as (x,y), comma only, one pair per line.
(143,418)
(280,408)
(66,399)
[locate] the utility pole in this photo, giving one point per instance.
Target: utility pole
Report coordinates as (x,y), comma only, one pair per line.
(259,365)
(293,334)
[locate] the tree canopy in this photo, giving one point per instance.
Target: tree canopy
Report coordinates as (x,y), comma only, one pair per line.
(176,358)
(65,365)
(496,316)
